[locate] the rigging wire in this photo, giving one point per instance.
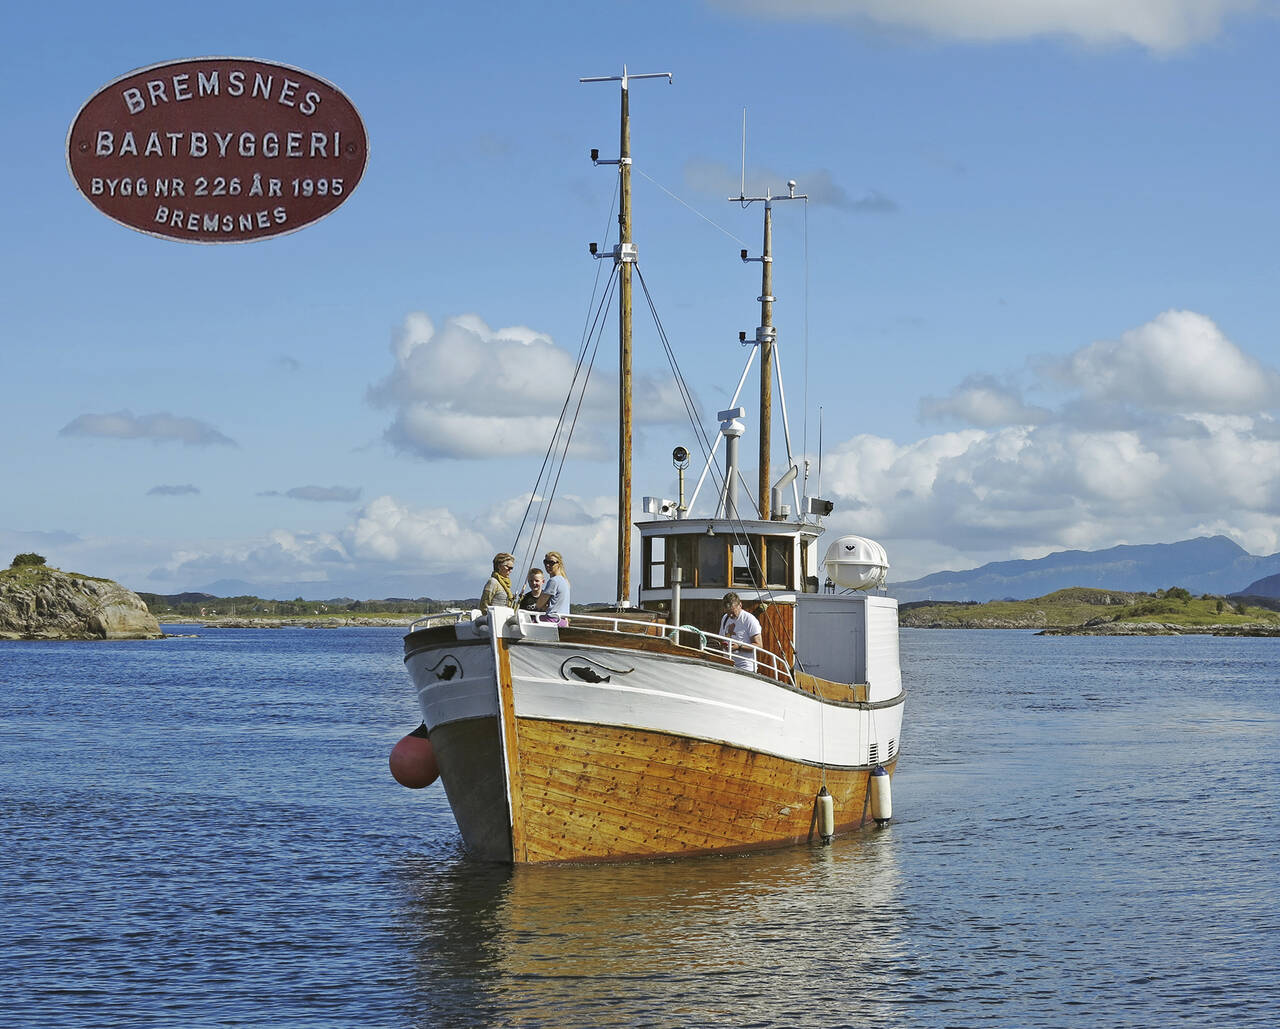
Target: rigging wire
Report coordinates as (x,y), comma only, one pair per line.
(682,386)
(558,447)
(678,200)
(590,326)
(804,432)
(786,427)
(537,540)
(710,467)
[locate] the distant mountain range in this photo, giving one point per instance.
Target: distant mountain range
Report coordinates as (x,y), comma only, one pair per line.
(1209,564)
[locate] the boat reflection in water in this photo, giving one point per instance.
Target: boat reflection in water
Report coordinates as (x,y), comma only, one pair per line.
(778,938)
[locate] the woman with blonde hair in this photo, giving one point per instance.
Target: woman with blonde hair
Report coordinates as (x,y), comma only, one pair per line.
(498,589)
(555,594)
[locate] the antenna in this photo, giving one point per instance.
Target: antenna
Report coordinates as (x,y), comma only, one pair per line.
(742,191)
(819,450)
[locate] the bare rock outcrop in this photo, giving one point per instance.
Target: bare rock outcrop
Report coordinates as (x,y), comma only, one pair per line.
(39,603)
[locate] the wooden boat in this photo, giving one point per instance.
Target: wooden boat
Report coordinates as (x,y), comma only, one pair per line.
(641,731)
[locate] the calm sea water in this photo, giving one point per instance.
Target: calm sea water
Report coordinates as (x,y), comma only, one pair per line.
(203,832)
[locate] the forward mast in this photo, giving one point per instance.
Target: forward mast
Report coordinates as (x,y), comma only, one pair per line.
(624,256)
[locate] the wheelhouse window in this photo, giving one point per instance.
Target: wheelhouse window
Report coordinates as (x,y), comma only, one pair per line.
(713,561)
(746,563)
(682,557)
(655,562)
(777,561)
(721,561)
(690,558)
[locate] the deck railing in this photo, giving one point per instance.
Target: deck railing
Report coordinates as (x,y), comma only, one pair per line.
(689,637)
(441,618)
(684,637)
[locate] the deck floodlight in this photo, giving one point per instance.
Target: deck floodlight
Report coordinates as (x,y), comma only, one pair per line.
(680,457)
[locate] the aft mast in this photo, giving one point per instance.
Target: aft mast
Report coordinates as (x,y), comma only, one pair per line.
(766,335)
(624,256)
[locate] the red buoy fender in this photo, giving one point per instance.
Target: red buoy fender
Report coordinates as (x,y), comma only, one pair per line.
(413,762)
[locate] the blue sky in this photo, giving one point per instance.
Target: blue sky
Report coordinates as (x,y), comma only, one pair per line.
(1033,292)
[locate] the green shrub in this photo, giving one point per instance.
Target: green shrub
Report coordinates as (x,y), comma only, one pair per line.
(1151,607)
(26,559)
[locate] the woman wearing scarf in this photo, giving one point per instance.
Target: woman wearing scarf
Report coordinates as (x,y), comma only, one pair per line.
(498,589)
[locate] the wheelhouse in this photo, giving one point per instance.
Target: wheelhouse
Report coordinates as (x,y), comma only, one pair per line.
(687,566)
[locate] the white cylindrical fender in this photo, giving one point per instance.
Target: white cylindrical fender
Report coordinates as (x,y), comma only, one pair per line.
(881,796)
(826,815)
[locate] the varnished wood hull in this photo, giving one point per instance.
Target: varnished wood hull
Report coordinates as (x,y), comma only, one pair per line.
(556,750)
(595,793)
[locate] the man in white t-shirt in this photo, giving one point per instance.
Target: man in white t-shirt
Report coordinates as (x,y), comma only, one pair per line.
(742,626)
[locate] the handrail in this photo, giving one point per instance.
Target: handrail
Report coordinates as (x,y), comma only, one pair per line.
(765,662)
(440,618)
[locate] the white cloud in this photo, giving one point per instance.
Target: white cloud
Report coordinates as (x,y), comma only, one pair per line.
(1045,488)
(387,531)
(983,401)
(1158,25)
(583,529)
(1174,438)
(280,555)
(387,548)
(159,427)
(464,390)
(437,541)
(1179,361)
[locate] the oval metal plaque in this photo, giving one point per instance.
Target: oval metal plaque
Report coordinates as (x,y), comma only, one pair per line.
(217,149)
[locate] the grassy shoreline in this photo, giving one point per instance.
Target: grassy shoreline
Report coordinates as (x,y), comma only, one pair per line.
(290,621)
(1094,612)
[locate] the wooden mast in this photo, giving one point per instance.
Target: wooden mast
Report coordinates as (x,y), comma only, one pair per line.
(766,336)
(624,256)
(624,260)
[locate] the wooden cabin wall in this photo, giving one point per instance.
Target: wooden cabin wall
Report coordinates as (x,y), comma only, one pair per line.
(705,614)
(778,630)
(777,623)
